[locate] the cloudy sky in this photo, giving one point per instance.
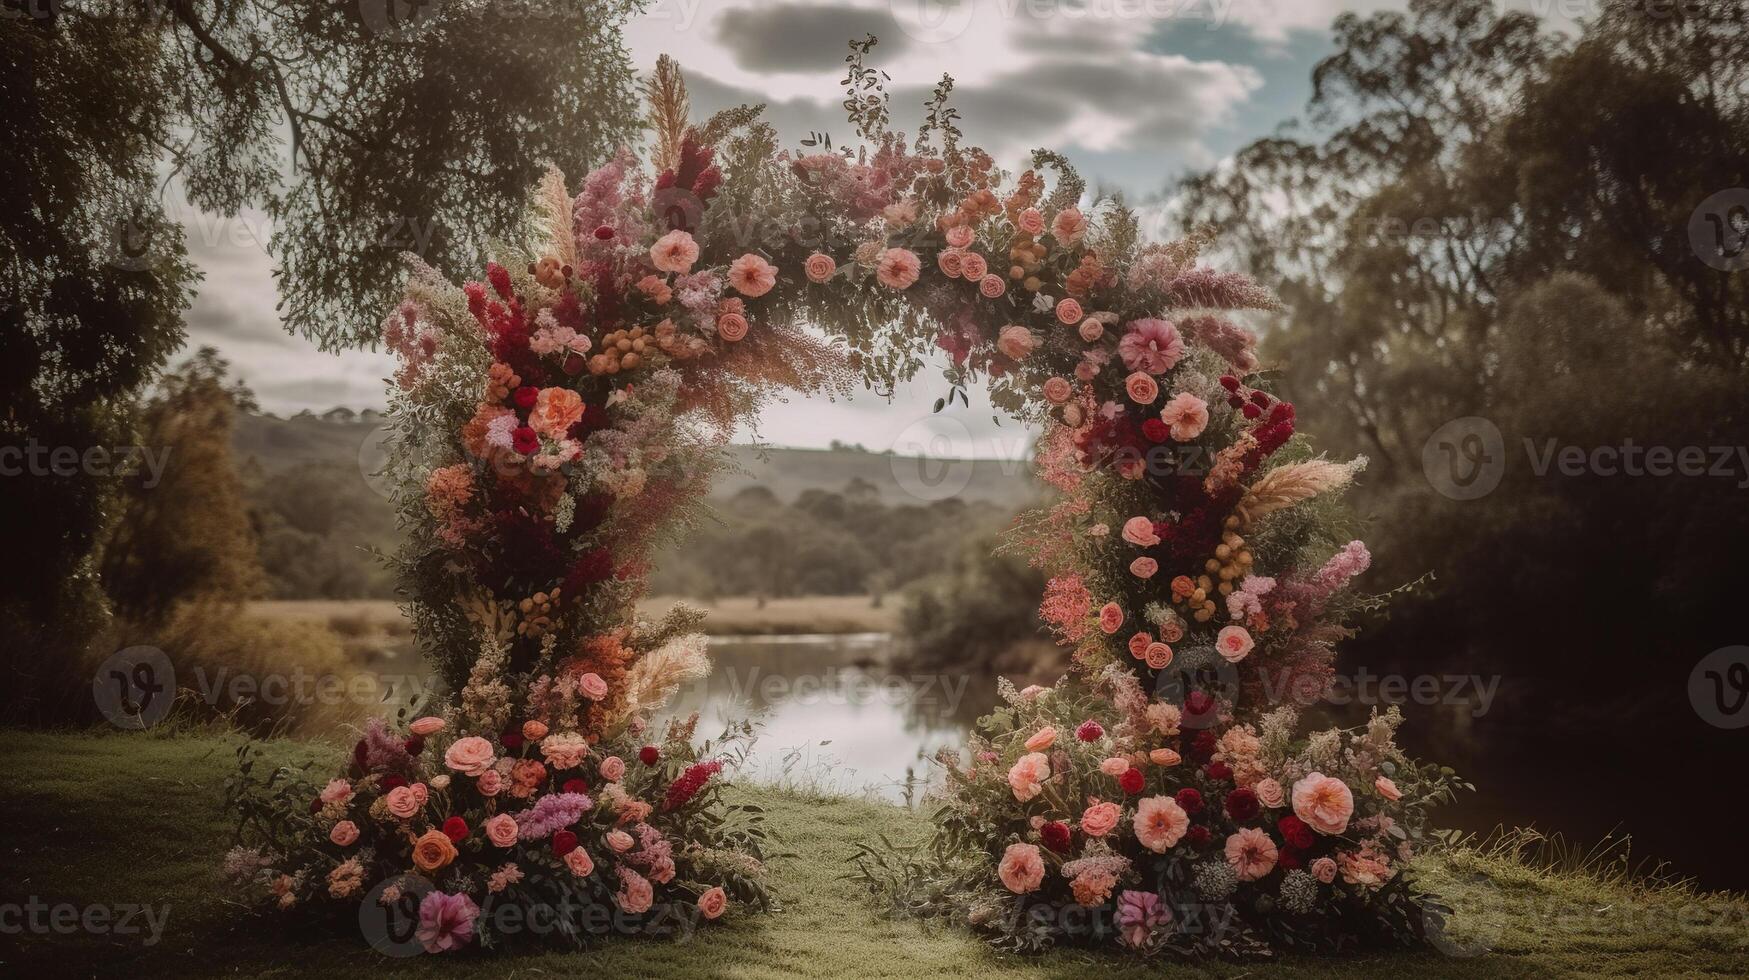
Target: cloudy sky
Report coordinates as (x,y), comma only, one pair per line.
(1136,92)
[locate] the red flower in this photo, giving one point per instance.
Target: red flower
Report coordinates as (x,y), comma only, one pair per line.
(524,441)
(1156,431)
(1198,836)
(499,277)
(456,829)
(689,783)
(575,786)
(1131,780)
(414,744)
(1090,731)
(1288,859)
(1218,771)
(392,782)
(1189,800)
(1199,703)
(1242,805)
(1237,401)
(564,842)
(511,738)
(1203,745)
(1251,411)
(1056,835)
(1295,832)
(604,233)
(526,396)
(1229,382)
(649,755)
(1260,399)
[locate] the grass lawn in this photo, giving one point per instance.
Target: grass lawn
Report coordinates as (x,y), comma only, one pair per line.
(116,819)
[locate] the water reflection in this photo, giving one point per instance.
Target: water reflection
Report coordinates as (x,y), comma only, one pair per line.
(836,713)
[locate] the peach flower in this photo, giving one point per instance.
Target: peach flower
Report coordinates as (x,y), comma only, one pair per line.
(613,769)
(1031,222)
(1164,717)
(637,895)
(1100,818)
(1016,342)
(402,802)
(732,327)
(433,850)
(1057,390)
(501,830)
(948,260)
(592,686)
(898,268)
(619,841)
(491,783)
(751,275)
(337,791)
(1164,757)
(992,286)
(819,267)
(1139,644)
(1324,802)
(1069,225)
(1139,531)
(1069,310)
(1324,870)
(344,833)
(713,903)
(1251,854)
(470,756)
(1022,869)
(1387,789)
(973,268)
(1269,792)
(674,252)
(1160,823)
(1186,415)
(1042,739)
(1144,567)
(959,236)
(555,411)
(1110,618)
(1234,643)
(580,863)
(1141,387)
(1114,766)
(1091,330)
(426,726)
(1027,774)
(1158,655)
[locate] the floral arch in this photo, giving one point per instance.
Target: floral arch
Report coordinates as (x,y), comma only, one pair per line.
(557,419)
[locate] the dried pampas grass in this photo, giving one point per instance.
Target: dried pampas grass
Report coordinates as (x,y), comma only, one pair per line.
(1286,486)
(659,673)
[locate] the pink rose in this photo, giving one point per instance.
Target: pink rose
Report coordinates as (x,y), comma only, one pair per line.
(959,236)
(1022,869)
(713,903)
(1158,655)
(1016,342)
(1110,618)
(469,756)
(1091,330)
(637,895)
(619,841)
(613,769)
(992,286)
(1114,766)
(1068,225)
(948,260)
(1099,819)
(751,275)
(973,267)
(344,833)
(592,686)
(1141,388)
(580,863)
(1069,310)
(1251,854)
(1234,642)
(1031,222)
(1042,739)
(898,268)
(1144,567)
(674,252)
(732,327)
(1269,793)
(337,791)
(1057,390)
(1027,775)
(1186,415)
(1139,531)
(1160,823)
(402,803)
(491,783)
(1324,870)
(501,830)
(819,267)
(1324,802)
(1387,789)
(426,726)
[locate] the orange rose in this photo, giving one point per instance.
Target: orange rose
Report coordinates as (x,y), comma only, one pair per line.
(555,411)
(432,851)
(732,327)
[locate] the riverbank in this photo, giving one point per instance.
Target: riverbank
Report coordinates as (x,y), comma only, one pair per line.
(106,821)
